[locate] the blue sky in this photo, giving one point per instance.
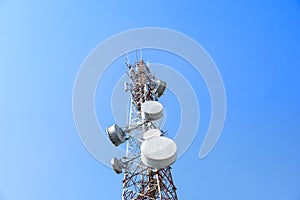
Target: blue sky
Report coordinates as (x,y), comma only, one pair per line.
(255,45)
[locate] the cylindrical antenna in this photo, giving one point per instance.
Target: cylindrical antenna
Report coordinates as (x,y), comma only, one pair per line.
(141,54)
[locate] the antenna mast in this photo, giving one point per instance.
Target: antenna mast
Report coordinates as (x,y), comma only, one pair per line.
(149,154)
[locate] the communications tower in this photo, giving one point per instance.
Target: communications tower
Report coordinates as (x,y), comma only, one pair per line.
(149,154)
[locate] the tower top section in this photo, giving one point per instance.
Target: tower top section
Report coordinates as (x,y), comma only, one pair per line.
(143,86)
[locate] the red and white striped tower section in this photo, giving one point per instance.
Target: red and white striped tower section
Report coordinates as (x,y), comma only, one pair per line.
(149,154)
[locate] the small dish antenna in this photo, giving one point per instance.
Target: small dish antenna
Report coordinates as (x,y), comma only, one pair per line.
(116,135)
(160,87)
(151,110)
(158,152)
(117,165)
(151,133)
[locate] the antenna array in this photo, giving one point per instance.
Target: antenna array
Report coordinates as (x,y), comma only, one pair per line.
(149,154)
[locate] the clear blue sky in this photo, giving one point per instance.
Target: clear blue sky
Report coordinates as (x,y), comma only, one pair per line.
(255,45)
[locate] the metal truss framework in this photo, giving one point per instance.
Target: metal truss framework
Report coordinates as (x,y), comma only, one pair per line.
(141,182)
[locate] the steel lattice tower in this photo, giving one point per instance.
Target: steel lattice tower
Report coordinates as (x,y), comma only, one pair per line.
(142,182)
